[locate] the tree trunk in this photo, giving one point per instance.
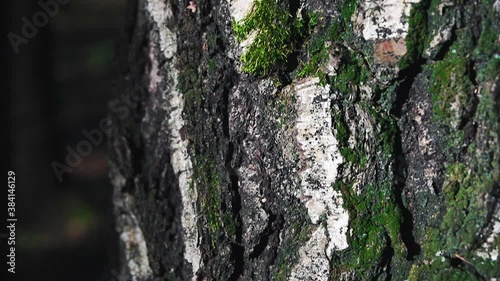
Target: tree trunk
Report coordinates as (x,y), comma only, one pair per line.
(308,140)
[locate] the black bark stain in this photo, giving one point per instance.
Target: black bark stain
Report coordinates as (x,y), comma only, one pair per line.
(446,46)
(406,227)
(237,251)
(264,239)
(385,261)
(280,224)
(402,95)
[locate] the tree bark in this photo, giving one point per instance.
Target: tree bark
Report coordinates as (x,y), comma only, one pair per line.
(308,140)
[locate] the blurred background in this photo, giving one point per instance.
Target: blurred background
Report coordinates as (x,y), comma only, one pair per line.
(59,83)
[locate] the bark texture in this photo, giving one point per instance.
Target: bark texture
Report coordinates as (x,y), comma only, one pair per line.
(308,140)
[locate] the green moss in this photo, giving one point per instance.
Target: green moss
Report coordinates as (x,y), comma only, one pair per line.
(387,128)
(466,192)
(363,159)
(349,154)
(452,95)
(417,37)
(492,68)
(488,41)
(464,218)
(188,84)
(487,51)
(375,221)
(212,42)
(374,216)
(449,84)
(318,55)
(353,156)
(433,245)
(229,224)
(443,271)
(319,46)
(300,232)
(342,131)
(351,74)
(342,135)
(415,272)
(465,214)
(440,269)
(488,267)
(212,65)
(276,34)
(208,185)
(347,9)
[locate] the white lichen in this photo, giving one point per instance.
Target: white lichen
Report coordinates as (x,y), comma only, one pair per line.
(488,250)
(442,36)
(154,75)
(183,169)
(239,9)
(173,101)
(161,12)
(384,19)
(312,263)
(319,161)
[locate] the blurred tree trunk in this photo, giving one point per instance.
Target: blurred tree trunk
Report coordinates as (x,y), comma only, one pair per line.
(308,140)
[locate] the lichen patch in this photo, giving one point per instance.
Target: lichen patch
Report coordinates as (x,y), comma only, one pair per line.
(319,161)
(183,169)
(312,265)
(161,13)
(154,76)
(384,19)
(240,8)
(173,100)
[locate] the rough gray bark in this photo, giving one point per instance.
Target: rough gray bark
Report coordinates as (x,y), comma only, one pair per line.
(331,140)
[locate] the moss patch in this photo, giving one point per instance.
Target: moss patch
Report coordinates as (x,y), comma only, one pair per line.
(298,233)
(328,34)
(466,215)
(451,89)
(217,221)
(354,156)
(375,221)
(467,196)
(352,73)
(276,35)
(387,128)
(487,52)
(417,37)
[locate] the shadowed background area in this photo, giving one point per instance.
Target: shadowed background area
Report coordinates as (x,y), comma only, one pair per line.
(60,83)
